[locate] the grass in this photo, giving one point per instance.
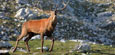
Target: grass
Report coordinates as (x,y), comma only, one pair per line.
(101,1)
(62,48)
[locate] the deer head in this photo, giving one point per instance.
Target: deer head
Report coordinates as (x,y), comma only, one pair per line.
(54,12)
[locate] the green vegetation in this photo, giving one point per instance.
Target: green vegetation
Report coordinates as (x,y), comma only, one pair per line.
(62,48)
(101,1)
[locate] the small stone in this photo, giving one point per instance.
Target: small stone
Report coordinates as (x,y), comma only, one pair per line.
(22,1)
(45,48)
(62,40)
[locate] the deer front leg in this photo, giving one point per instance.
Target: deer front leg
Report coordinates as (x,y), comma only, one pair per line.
(52,44)
(42,42)
(17,41)
(23,33)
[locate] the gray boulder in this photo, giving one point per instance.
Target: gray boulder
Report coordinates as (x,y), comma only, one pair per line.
(25,13)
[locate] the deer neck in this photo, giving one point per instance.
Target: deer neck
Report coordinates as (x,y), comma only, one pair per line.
(52,18)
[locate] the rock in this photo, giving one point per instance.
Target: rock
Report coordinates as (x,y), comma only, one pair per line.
(35,37)
(45,48)
(105,4)
(113,18)
(22,1)
(109,23)
(19,49)
(74,40)
(20,13)
(62,40)
(105,41)
(83,41)
(5,38)
(3,7)
(82,47)
(78,40)
(31,16)
(84,54)
(5,44)
(25,13)
(2,15)
(4,52)
(22,50)
(104,14)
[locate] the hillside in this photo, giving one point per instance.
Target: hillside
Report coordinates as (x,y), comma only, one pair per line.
(91,20)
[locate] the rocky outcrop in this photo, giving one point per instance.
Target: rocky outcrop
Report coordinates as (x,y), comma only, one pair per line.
(94,21)
(25,13)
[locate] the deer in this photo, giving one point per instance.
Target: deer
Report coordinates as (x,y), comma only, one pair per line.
(42,27)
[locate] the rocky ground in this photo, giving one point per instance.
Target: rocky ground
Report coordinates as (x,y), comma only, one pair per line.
(92,20)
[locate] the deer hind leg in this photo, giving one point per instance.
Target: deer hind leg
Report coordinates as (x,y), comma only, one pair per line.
(52,44)
(26,41)
(23,33)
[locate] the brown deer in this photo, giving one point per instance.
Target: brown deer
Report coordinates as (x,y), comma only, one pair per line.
(43,27)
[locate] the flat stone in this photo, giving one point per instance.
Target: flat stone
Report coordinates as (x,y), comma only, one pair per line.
(4,52)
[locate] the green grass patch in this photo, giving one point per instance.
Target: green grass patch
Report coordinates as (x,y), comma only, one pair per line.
(62,48)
